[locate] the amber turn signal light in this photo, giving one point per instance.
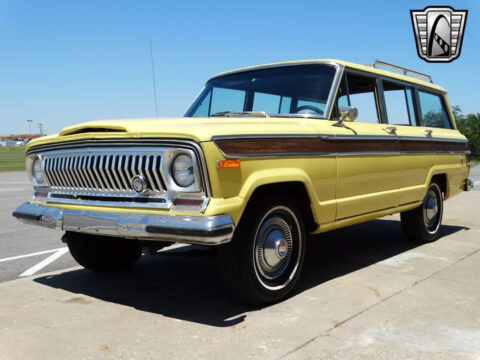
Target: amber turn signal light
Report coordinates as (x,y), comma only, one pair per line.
(227,164)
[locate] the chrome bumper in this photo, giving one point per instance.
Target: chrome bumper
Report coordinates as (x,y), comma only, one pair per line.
(469,185)
(202,230)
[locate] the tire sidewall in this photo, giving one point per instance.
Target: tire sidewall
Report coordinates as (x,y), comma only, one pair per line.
(247,237)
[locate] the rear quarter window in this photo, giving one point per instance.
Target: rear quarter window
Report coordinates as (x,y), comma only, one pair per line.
(433,111)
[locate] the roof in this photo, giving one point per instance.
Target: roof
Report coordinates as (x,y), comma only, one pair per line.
(366,68)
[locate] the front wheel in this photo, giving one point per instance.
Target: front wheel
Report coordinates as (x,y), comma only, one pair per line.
(102,253)
(422,224)
(263,261)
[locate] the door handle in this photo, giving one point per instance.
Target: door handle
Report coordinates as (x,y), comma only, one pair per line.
(427,132)
(390,129)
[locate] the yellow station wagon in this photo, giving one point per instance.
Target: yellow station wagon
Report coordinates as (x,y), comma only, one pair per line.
(265,156)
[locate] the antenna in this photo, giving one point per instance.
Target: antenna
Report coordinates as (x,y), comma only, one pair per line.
(153,77)
(40,128)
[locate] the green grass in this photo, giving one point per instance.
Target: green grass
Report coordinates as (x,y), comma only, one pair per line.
(474,163)
(12,158)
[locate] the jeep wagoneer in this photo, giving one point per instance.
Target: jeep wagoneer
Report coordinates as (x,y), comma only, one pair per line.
(264,156)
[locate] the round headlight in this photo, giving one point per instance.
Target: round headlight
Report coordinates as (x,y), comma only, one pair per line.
(182,170)
(37,171)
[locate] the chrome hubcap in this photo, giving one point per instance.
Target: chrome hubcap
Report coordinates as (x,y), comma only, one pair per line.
(273,249)
(431,211)
(431,208)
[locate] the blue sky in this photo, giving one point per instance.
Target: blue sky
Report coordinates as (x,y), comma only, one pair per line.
(64,62)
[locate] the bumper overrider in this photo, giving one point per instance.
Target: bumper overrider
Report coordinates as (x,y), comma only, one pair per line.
(202,230)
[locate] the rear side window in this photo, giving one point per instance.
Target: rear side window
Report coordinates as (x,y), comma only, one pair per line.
(399,104)
(433,111)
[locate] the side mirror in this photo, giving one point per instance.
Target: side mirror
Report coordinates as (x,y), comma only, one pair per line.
(348,113)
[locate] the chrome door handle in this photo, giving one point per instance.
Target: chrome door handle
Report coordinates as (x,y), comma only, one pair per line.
(427,132)
(390,129)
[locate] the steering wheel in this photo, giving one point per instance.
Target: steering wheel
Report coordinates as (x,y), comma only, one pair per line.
(310,107)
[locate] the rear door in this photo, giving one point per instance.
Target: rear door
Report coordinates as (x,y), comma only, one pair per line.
(426,134)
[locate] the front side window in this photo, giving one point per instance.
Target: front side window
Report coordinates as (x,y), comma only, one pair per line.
(359,91)
(299,89)
(432,110)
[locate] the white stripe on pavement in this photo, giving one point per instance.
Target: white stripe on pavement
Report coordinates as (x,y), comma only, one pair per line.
(15,182)
(12,189)
(32,254)
(45,262)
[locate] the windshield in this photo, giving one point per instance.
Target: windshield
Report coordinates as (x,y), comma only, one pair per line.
(289,90)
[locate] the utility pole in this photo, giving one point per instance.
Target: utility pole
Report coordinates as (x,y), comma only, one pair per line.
(40,127)
(29,127)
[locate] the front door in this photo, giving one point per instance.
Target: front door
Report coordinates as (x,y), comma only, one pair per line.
(368,152)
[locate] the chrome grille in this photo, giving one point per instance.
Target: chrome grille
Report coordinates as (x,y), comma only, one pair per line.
(103,171)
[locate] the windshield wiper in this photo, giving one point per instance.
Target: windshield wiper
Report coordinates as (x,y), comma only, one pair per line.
(240,113)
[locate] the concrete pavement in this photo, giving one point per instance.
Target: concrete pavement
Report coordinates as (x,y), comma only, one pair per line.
(365,293)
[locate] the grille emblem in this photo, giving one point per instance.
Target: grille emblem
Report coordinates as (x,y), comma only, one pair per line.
(139,184)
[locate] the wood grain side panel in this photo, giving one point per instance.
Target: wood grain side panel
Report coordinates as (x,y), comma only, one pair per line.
(285,146)
(432,145)
(276,146)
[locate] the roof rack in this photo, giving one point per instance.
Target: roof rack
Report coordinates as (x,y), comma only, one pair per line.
(402,69)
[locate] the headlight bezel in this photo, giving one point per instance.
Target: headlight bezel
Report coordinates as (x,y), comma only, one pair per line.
(169,157)
(30,168)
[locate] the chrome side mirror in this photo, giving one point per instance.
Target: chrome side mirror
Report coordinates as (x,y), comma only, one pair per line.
(348,113)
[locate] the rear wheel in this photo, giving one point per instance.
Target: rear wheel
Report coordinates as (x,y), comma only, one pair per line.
(422,224)
(263,261)
(102,253)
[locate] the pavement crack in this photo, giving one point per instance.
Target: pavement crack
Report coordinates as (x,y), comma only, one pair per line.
(412,285)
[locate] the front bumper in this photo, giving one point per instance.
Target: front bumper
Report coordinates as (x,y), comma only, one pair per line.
(202,230)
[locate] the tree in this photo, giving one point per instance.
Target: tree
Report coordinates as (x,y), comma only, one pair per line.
(469,126)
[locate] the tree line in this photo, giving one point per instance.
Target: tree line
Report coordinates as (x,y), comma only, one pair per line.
(469,125)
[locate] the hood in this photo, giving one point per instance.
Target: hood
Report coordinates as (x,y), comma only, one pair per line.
(197,129)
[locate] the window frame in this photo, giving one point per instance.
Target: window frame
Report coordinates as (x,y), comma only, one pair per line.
(377,91)
(415,100)
(443,102)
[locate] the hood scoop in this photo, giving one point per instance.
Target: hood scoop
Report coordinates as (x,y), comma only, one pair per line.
(91,129)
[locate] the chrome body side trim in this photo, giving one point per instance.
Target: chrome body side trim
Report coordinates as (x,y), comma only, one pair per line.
(269,136)
(201,230)
(340,154)
(334,136)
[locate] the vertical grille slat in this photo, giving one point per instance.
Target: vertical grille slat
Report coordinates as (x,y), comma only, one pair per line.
(115,163)
(68,172)
(56,178)
(98,177)
(121,162)
(88,180)
(101,167)
(59,171)
(107,171)
(148,172)
(76,173)
(81,171)
(63,173)
(47,170)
